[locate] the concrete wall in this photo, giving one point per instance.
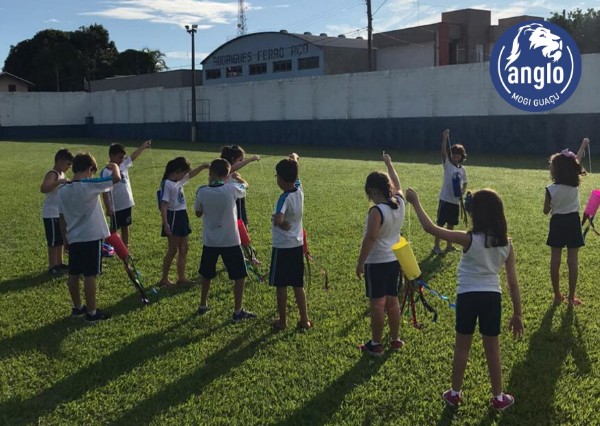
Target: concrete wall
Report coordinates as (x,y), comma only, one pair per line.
(389,107)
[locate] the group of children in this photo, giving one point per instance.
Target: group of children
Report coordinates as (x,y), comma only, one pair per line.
(74,207)
(486,248)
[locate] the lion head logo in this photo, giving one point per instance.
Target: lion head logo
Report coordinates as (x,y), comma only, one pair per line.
(539,37)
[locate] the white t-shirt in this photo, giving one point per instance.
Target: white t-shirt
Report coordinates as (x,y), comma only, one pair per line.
(171,192)
(81,208)
(450,171)
(564,199)
(479,266)
(389,233)
(50,207)
(291,205)
(219,213)
(121,193)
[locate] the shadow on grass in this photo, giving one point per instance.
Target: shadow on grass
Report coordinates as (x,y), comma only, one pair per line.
(25,283)
(47,339)
(534,381)
(319,409)
(216,365)
(28,411)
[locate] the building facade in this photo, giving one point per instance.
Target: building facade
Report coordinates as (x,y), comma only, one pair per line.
(12,83)
(276,55)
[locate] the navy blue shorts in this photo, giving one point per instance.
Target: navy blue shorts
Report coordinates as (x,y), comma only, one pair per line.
(53,235)
(447,213)
(179,223)
(485,306)
(287,267)
(233,259)
(382,279)
(123,219)
(565,230)
(85,258)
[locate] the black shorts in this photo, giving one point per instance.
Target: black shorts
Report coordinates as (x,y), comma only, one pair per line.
(85,258)
(287,267)
(485,306)
(179,223)
(233,258)
(123,219)
(382,279)
(565,230)
(53,234)
(447,213)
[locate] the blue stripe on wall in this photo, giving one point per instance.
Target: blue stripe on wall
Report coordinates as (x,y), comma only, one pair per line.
(527,134)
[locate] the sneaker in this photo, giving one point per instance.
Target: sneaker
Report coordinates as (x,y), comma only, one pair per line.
(78,312)
(98,316)
(437,250)
(396,345)
(452,400)
(243,315)
(55,271)
(371,349)
(202,309)
(503,403)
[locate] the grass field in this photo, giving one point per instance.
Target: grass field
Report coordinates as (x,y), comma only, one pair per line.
(165,365)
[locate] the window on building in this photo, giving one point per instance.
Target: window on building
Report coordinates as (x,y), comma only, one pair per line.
(282,66)
(479,52)
(12,87)
(234,71)
(258,69)
(308,63)
(213,74)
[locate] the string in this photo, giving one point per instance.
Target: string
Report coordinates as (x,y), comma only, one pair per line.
(590,156)
(152,158)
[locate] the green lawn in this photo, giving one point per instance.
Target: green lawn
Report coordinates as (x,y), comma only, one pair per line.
(165,365)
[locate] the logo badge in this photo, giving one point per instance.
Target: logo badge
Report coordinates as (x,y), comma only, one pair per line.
(535,66)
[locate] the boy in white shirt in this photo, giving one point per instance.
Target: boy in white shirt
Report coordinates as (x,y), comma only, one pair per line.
(81,213)
(53,180)
(287,261)
(453,188)
(119,201)
(216,204)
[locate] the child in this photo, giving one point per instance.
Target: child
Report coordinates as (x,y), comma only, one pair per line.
(216,204)
(53,180)
(377,261)
(121,197)
(562,199)
(234,154)
(453,188)
(81,212)
(175,221)
(485,249)
(287,260)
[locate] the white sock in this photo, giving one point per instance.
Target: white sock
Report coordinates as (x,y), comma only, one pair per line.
(499,397)
(92,312)
(80,307)
(454,393)
(374,343)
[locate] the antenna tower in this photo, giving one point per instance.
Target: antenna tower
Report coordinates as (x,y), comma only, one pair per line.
(241,22)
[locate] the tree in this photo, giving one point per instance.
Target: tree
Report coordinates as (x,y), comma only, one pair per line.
(63,60)
(584,27)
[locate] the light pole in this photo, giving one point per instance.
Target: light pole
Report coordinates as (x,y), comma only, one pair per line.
(191,29)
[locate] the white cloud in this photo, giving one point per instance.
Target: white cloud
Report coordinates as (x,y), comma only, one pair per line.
(205,13)
(50,21)
(180,54)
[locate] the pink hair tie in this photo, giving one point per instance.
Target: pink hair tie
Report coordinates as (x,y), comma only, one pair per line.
(568,153)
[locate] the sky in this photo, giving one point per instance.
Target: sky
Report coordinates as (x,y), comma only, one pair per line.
(159,24)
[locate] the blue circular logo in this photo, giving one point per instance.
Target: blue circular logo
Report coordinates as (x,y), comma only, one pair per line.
(535,66)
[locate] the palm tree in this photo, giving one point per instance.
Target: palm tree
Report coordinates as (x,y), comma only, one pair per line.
(157,58)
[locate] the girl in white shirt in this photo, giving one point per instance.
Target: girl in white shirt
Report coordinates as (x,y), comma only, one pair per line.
(175,220)
(562,201)
(486,248)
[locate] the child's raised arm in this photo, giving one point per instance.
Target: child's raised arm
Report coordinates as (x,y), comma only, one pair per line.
(584,144)
(516,322)
(444,150)
(458,237)
(235,167)
(194,172)
(51,181)
(396,188)
(135,154)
